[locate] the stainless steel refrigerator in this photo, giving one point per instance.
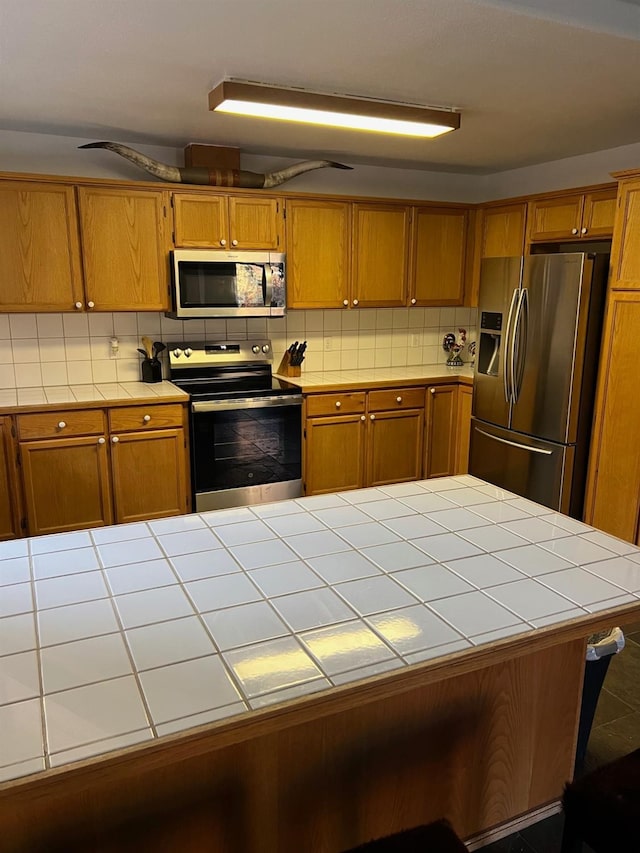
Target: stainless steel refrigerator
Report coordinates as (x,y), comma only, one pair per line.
(540,322)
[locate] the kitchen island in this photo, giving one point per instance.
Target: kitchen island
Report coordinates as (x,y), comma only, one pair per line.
(297,676)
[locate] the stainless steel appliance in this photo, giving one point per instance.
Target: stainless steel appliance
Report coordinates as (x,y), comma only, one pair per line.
(540,321)
(210,283)
(245,426)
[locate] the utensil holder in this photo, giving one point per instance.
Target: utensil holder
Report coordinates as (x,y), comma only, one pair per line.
(286,368)
(151,370)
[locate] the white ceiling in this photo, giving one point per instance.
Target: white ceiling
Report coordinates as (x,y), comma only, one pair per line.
(535,80)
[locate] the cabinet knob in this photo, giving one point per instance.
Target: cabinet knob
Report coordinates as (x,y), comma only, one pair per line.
(101,440)
(398,399)
(61,425)
(223,242)
(372,417)
(115,439)
(356,302)
(345,301)
(146,418)
(362,418)
(574,230)
(433,390)
(78,305)
(91,304)
(413,301)
(234,242)
(338,404)
(584,230)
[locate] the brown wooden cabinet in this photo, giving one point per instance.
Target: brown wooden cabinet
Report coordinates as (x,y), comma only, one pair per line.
(318,253)
(394,446)
(334,453)
(91,467)
(502,231)
(125,248)
(465,400)
(39,250)
(227,222)
(10,515)
(572,217)
(625,249)
(380,248)
(441,430)
(438,256)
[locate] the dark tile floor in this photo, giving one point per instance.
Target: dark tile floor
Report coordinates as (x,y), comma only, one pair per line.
(615,732)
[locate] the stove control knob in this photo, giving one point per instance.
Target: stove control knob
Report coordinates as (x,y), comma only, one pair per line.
(177,352)
(255,349)
(188,352)
(265,348)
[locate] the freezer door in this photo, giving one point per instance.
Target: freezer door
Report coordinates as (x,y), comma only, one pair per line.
(538,470)
(548,345)
(499,286)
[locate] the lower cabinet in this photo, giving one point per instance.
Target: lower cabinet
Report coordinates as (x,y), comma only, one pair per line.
(447,430)
(465,399)
(334,453)
(10,515)
(89,468)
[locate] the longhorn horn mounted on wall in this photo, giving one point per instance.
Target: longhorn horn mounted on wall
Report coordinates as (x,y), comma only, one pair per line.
(213,177)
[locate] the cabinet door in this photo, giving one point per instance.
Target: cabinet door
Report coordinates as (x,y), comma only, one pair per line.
(555,218)
(380,249)
(255,223)
(599,214)
(318,252)
(465,398)
(66,484)
(9,500)
(439,239)
(613,488)
(124,249)
(149,474)
(334,454)
(394,447)
(200,221)
(625,248)
(441,430)
(39,248)
(503,230)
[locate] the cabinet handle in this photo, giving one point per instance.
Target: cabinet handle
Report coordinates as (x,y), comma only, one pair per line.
(78,305)
(413,301)
(433,390)
(61,425)
(362,418)
(398,399)
(338,404)
(574,230)
(115,439)
(584,231)
(372,417)
(223,242)
(355,302)
(101,440)
(146,418)
(345,301)
(234,242)
(91,304)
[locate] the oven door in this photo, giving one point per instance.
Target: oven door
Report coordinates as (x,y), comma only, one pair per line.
(246,451)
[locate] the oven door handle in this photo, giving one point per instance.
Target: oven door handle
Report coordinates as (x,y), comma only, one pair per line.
(247,403)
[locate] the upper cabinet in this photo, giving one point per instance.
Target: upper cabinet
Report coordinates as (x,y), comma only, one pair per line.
(502,231)
(227,222)
(39,250)
(124,249)
(380,255)
(571,217)
(625,254)
(438,259)
(318,253)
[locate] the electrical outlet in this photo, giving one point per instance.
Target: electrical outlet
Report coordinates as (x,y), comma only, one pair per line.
(328,344)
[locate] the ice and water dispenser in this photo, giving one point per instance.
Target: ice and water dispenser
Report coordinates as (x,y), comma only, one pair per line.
(490,343)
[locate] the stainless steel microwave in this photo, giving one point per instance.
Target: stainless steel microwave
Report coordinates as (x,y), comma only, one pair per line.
(208,283)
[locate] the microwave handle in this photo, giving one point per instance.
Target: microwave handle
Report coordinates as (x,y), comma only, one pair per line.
(269,282)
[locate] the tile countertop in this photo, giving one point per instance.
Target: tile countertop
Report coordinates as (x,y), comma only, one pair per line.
(118,635)
(12,399)
(376,377)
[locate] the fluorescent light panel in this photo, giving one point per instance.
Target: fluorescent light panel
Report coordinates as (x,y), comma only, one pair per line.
(260,101)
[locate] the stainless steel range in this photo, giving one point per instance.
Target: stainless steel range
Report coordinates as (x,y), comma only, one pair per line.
(245,426)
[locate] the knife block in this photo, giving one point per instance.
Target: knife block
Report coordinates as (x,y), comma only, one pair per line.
(286,368)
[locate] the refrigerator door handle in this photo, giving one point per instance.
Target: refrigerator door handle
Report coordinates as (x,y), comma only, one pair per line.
(519,344)
(506,377)
(515,443)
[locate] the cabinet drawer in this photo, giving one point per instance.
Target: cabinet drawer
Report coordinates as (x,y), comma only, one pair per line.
(332,404)
(145,417)
(396,398)
(61,424)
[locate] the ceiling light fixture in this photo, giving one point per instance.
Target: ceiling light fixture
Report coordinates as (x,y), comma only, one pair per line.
(262,101)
